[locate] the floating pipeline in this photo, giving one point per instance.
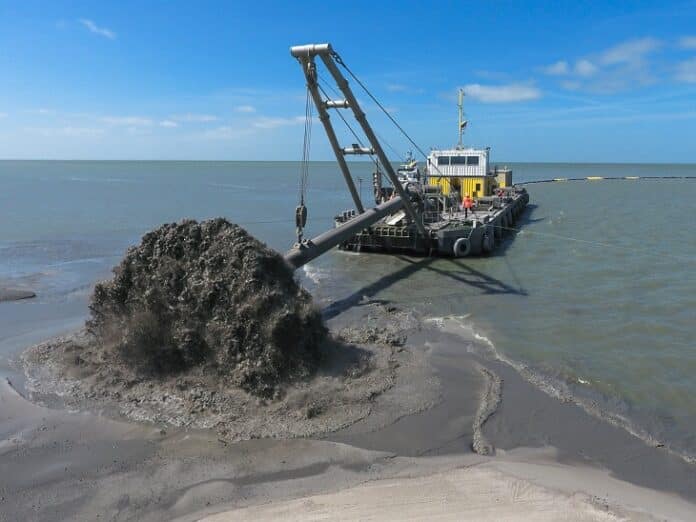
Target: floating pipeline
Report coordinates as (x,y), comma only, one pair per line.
(602,178)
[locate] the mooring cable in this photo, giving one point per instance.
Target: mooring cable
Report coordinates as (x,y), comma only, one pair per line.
(526,231)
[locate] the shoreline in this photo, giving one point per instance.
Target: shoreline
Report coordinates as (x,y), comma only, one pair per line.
(525,485)
(193,473)
(590,401)
(360,364)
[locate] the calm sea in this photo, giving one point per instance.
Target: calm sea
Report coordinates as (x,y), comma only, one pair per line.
(596,293)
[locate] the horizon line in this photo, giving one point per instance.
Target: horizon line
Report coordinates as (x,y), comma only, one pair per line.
(328,161)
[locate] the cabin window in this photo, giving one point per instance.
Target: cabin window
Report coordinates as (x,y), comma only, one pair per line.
(472,160)
(478,187)
(458,160)
(443,160)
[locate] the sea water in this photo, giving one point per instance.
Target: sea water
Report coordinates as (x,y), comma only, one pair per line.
(596,292)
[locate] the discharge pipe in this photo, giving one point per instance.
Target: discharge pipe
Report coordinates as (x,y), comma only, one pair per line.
(304,252)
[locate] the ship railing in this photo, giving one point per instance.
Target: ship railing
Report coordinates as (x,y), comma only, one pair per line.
(431,216)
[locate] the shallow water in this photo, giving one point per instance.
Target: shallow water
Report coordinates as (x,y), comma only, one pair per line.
(597,290)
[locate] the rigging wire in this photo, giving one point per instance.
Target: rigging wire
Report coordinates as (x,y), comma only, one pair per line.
(340,61)
(350,128)
(301,209)
(398,154)
(331,87)
(306,147)
(352,131)
(594,243)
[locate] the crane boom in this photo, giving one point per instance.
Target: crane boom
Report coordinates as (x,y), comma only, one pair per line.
(306,250)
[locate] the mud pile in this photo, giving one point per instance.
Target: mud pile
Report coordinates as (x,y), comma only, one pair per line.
(207,296)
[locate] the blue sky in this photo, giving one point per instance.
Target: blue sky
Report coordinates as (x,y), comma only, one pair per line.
(545,81)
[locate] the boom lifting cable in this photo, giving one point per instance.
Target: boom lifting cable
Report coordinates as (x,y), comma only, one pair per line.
(352,131)
(396,152)
(301,209)
(345,121)
(350,128)
(340,61)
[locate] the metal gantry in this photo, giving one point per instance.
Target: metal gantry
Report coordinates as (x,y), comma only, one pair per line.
(306,55)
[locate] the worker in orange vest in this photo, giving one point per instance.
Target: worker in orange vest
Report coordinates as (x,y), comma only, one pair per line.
(468,205)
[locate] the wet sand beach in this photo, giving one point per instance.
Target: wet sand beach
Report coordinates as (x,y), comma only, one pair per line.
(552,460)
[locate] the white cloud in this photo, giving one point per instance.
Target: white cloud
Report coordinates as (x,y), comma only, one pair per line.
(559,68)
(94,28)
(138,131)
(585,68)
(225,132)
(248,109)
(399,87)
(127,120)
(631,51)
(619,68)
(193,118)
(687,42)
(65,131)
(273,123)
(686,71)
(571,85)
(3,115)
(41,110)
(502,93)
(168,124)
(259,124)
(396,87)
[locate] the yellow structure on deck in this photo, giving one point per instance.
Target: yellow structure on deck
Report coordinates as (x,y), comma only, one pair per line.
(465,171)
(474,186)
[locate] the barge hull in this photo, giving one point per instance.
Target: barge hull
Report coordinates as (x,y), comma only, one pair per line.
(493,218)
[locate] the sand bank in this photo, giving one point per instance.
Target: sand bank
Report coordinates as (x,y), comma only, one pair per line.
(13,294)
(512,488)
(360,362)
(549,458)
(68,466)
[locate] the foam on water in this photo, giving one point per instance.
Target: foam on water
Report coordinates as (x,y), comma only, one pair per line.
(314,273)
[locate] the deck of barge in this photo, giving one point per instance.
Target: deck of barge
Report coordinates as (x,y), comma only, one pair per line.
(482,227)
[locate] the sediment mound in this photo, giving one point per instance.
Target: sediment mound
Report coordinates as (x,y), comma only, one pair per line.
(203,326)
(207,295)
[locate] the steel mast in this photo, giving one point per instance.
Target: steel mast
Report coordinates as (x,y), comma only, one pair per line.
(462,121)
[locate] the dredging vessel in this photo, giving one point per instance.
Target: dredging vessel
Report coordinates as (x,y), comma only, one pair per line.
(460,205)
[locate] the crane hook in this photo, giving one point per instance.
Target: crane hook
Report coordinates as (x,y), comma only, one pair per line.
(300,221)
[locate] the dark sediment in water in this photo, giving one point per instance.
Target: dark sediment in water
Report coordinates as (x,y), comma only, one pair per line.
(490,400)
(10,294)
(207,294)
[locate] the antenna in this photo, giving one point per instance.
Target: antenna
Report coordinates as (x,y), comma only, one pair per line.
(462,121)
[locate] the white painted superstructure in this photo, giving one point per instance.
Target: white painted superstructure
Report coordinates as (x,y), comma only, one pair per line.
(458,162)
